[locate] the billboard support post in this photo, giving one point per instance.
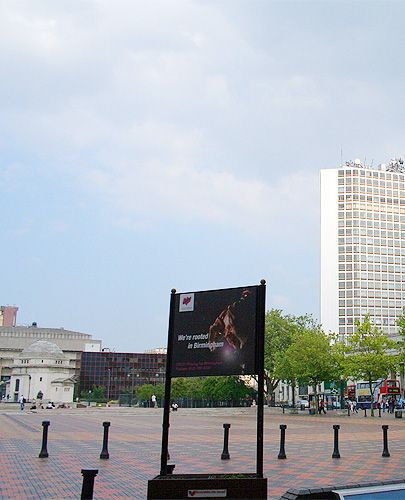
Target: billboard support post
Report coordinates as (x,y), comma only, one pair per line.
(168,383)
(261,309)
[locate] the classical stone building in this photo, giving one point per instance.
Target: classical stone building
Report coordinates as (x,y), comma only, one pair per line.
(14,339)
(41,368)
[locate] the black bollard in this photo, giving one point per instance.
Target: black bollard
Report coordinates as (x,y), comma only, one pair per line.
(379,412)
(283,410)
(282,454)
(365,412)
(170,468)
(104,452)
(385,452)
(225,453)
(88,483)
(44,451)
(348,410)
(336,453)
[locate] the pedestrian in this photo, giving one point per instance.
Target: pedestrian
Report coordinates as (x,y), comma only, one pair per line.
(355,410)
(391,405)
(321,407)
(153,399)
(21,400)
(384,404)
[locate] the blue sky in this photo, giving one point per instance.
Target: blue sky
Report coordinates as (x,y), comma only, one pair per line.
(150,145)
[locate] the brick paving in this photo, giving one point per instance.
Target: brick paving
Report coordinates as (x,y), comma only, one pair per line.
(195,445)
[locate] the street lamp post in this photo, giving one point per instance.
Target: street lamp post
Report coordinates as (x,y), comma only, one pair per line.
(108,385)
(342,394)
(132,385)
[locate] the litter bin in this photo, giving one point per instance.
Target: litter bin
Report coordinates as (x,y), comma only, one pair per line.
(302,407)
(312,411)
(398,413)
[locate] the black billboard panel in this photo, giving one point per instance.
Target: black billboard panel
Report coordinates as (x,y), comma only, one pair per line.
(214,333)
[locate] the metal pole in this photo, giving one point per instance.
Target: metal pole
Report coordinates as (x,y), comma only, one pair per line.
(104,452)
(261,311)
(336,453)
(385,452)
(44,451)
(379,411)
(108,384)
(225,452)
(166,408)
(282,454)
(365,411)
(88,483)
(132,387)
(342,395)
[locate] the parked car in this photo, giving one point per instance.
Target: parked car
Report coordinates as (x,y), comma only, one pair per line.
(302,402)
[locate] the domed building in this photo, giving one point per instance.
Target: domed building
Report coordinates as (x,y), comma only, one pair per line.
(42,368)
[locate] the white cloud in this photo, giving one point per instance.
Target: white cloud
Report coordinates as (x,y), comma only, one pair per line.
(178,190)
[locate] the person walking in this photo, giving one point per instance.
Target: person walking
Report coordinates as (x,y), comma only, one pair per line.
(21,400)
(153,399)
(322,407)
(384,404)
(355,410)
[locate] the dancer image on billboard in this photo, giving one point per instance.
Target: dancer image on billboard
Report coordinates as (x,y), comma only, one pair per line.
(232,325)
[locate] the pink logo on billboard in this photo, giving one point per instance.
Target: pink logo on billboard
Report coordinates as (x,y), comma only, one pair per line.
(186,302)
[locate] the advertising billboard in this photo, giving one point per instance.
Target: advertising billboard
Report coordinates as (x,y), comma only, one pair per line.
(214,333)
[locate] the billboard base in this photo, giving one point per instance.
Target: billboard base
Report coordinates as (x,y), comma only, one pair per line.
(208,486)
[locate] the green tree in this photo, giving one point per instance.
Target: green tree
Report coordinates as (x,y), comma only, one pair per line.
(187,387)
(401,347)
(210,388)
(401,341)
(280,331)
(310,359)
(369,355)
(145,391)
(229,388)
(96,393)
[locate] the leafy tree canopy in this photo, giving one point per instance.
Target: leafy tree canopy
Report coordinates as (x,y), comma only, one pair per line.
(210,388)
(279,333)
(401,341)
(96,393)
(310,359)
(144,392)
(369,353)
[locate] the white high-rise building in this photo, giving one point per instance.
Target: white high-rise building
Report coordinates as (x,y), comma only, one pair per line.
(362,246)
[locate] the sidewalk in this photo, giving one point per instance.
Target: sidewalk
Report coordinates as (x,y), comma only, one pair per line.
(195,444)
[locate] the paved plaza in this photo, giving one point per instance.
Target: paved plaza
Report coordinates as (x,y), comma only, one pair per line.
(195,445)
